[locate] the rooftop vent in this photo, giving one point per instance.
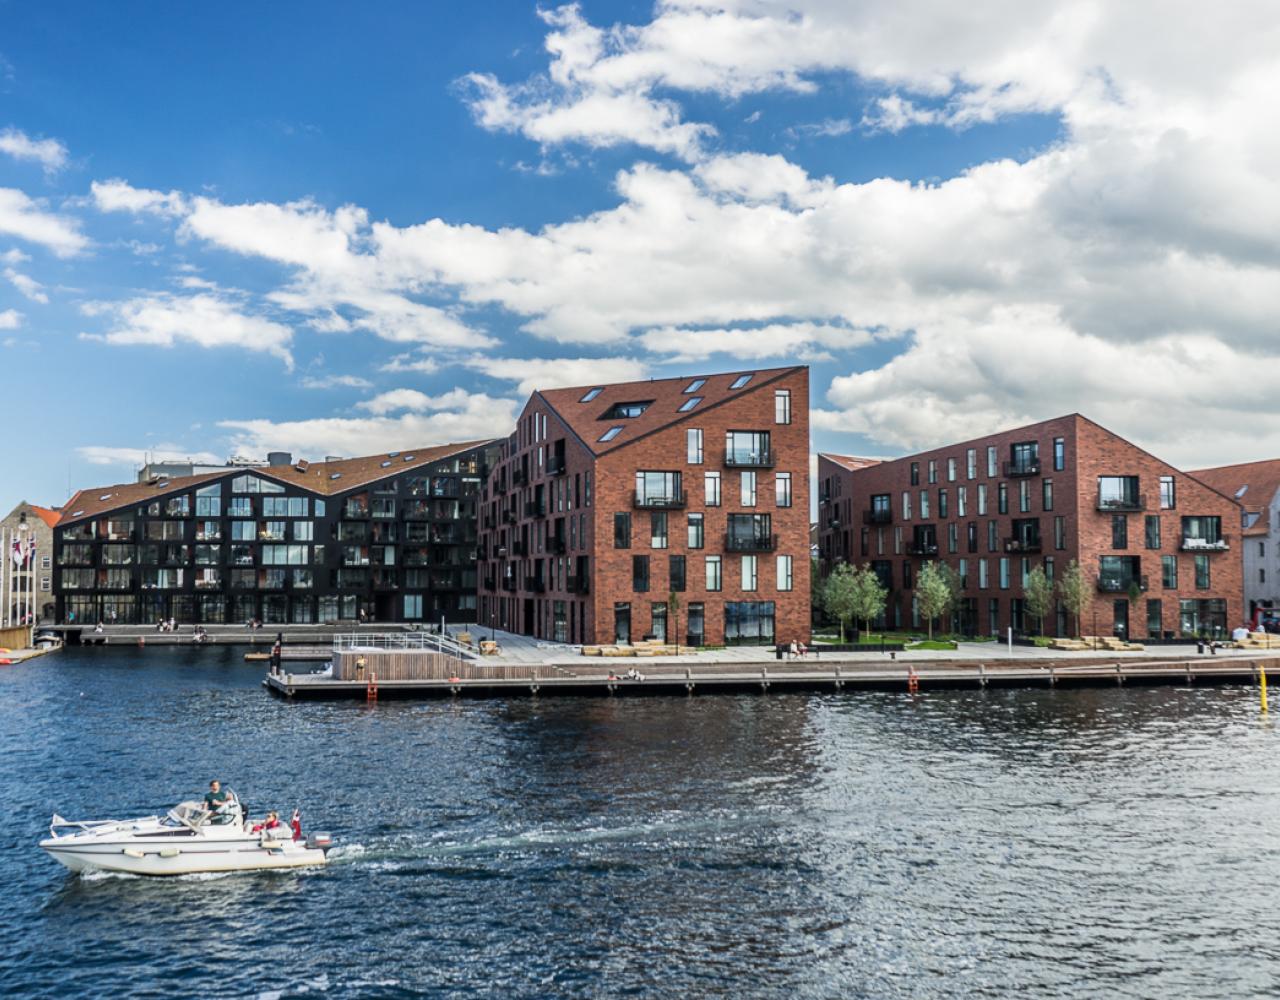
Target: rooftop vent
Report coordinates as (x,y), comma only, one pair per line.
(333,458)
(279,458)
(302,465)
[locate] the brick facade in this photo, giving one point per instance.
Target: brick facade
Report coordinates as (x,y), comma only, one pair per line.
(1053,512)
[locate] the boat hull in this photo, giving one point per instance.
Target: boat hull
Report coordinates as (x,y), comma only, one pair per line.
(134,858)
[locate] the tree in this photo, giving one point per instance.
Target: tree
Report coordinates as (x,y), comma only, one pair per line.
(673,613)
(1038,590)
(869,596)
(1073,591)
(839,595)
(934,592)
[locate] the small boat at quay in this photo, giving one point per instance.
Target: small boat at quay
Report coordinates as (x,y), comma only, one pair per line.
(187,840)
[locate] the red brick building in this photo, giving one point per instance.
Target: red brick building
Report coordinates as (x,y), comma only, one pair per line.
(609,498)
(1066,489)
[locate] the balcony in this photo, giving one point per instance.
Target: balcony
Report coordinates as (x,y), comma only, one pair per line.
(649,501)
(534,584)
(1022,545)
(577,584)
(533,508)
(1121,505)
(877,516)
(750,543)
(1121,584)
(557,545)
(749,459)
(1025,467)
(1219,544)
(555,465)
(922,548)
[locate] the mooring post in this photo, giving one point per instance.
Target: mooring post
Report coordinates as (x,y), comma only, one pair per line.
(839,678)
(982,675)
(688,680)
(1190,675)
(1119,675)
(764,678)
(1053,676)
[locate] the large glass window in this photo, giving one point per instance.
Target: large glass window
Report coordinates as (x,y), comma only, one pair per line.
(782,406)
(693,442)
(1118,493)
(659,489)
(782,489)
(748,622)
(253,484)
(1202,533)
(748,488)
(640,574)
(784,572)
(714,579)
(748,448)
(622,531)
(696,540)
(748,532)
(712,484)
(658,529)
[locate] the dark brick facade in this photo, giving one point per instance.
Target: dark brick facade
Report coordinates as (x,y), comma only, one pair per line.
(562,575)
(1056,508)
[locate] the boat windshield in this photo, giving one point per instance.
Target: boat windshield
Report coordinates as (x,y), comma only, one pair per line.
(185,814)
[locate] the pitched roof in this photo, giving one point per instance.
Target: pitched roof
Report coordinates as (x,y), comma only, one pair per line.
(664,397)
(323,478)
(49,517)
(1260,482)
(850,462)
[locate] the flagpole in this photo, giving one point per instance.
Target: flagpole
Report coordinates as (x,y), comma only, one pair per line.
(4,565)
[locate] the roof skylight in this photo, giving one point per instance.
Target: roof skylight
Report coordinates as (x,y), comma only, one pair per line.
(626,411)
(740,381)
(1241,491)
(695,385)
(611,433)
(690,403)
(592,394)
(335,475)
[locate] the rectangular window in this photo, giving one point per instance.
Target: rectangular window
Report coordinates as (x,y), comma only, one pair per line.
(640,574)
(658,529)
(915,473)
(924,505)
(1024,496)
(906,575)
(1168,494)
(982,498)
(1046,495)
(1202,572)
(1059,454)
(982,574)
(675,571)
(942,504)
(1002,498)
(1004,573)
(1060,533)
(1119,531)
(951,470)
(933,472)
(714,582)
(784,572)
(693,438)
(992,463)
(1169,572)
(906,505)
(1152,531)
(973,536)
(748,481)
(748,572)
(695,531)
(953,537)
(782,406)
(711,481)
(622,531)
(1154,618)
(782,488)
(971,463)
(962,501)
(993,536)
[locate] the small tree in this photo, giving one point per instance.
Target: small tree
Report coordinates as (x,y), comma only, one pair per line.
(1038,590)
(870,596)
(673,613)
(1073,591)
(839,595)
(934,592)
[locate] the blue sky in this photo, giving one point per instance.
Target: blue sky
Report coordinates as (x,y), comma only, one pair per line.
(337,229)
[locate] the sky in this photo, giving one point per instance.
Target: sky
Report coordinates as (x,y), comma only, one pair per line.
(337,229)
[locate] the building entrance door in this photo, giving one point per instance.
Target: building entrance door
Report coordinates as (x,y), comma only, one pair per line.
(1121,616)
(622,623)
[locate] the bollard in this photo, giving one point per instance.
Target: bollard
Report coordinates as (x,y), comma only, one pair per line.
(982,675)
(764,679)
(1053,676)
(1190,675)
(1119,675)
(839,678)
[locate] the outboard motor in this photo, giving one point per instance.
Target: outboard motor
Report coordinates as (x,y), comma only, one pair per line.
(319,841)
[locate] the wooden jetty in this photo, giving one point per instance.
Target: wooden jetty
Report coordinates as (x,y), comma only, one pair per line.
(449,677)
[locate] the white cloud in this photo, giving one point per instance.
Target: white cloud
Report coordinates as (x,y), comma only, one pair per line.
(802,341)
(24,218)
(10,319)
(109,455)
(27,285)
(412,363)
(335,381)
(116,195)
(205,320)
(531,374)
(453,417)
(410,399)
(49,153)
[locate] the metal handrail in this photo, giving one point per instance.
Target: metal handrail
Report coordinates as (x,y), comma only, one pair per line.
(431,641)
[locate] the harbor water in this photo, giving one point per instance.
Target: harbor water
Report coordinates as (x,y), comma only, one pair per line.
(1052,843)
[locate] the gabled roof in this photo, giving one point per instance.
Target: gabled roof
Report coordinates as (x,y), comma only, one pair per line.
(850,462)
(664,397)
(1262,479)
(49,517)
(316,477)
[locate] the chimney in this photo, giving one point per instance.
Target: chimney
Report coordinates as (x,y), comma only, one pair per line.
(279,458)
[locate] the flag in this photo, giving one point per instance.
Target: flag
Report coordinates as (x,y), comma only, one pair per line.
(296,823)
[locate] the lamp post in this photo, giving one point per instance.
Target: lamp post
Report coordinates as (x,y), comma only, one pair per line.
(24,611)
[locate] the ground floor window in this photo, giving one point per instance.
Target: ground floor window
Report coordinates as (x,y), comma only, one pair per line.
(1153,618)
(213,609)
(659,622)
(559,622)
(993,615)
(244,608)
(695,629)
(622,622)
(748,622)
(301,611)
(274,609)
(1207,617)
(413,607)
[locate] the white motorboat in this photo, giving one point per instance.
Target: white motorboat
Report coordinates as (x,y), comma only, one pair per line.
(187,839)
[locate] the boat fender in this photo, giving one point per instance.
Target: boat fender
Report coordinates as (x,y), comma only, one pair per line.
(169,852)
(272,845)
(133,852)
(6,662)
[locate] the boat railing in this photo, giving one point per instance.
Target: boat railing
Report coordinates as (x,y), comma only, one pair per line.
(432,642)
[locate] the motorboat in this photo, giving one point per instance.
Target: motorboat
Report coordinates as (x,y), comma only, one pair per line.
(188,839)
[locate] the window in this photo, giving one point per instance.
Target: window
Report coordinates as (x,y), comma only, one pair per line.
(1060,533)
(973,536)
(1152,531)
(982,574)
(740,381)
(933,473)
(942,503)
(695,531)
(1119,531)
(962,501)
(782,406)
(1024,496)
(993,536)
(982,498)
(906,505)
(749,572)
(1168,495)
(971,463)
(747,448)
(953,537)
(240,507)
(1004,573)
(713,573)
(640,574)
(1169,572)
(696,623)
(610,434)
(711,482)
(658,529)
(924,505)
(1203,533)
(208,506)
(592,394)
(906,576)
(622,531)
(951,470)
(693,446)
(690,403)
(1059,454)
(915,473)
(695,385)
(748,488)
(675,573)
(782,489)
(1046,495)
(659,489)
(1202,572)
(784,573)
(992,465)
(1154,618)
(1002,498)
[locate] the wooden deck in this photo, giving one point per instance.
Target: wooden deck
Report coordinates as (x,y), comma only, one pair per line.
(515,680)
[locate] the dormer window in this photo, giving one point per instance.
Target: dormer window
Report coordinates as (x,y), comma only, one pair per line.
(740,381)
(626,411)
(610,434)
(695,385)
(690,403)
(592,394)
